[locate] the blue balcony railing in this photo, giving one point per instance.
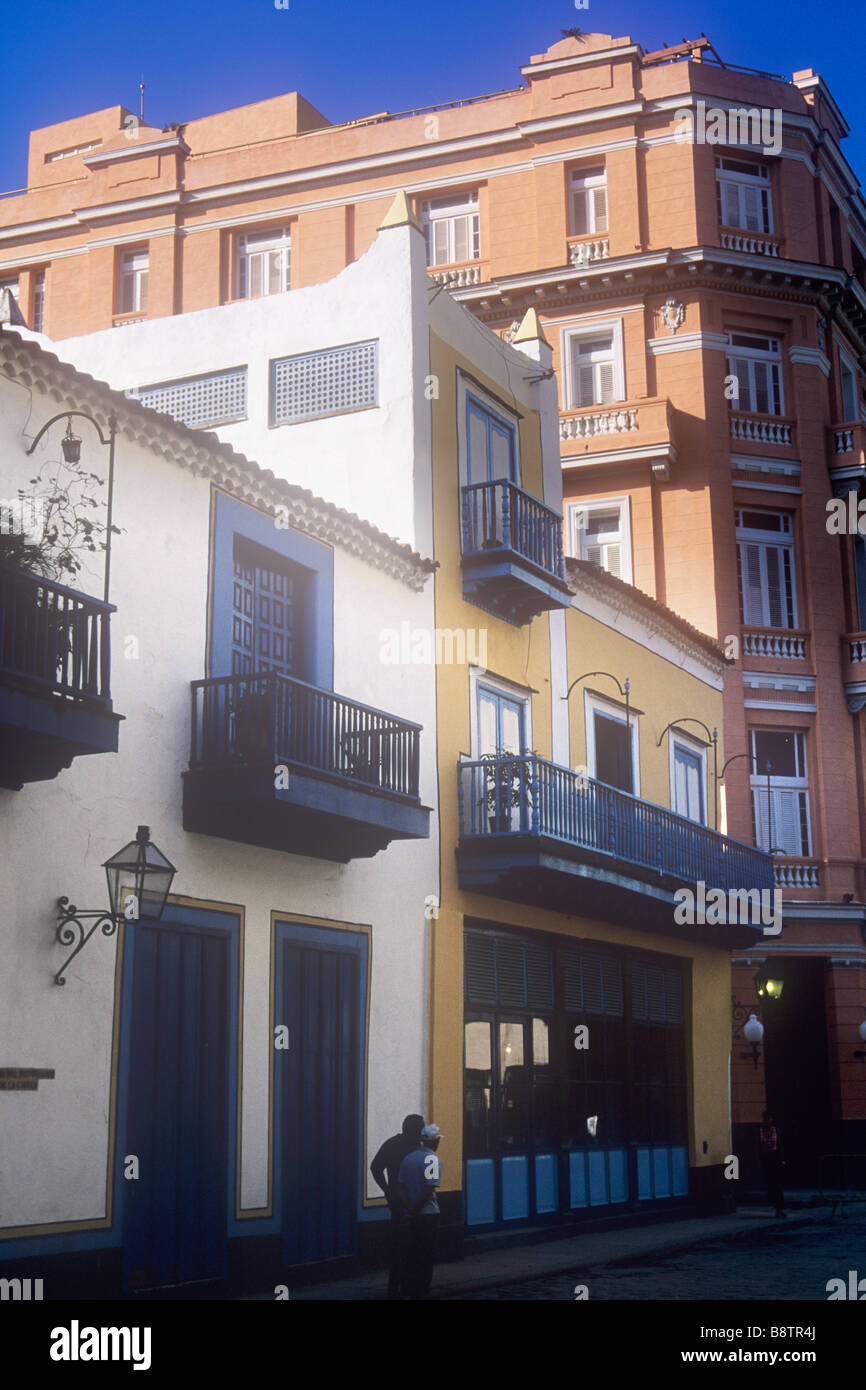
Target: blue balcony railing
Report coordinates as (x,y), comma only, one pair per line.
(54,641)
(529,796)
(271,719)
(500,516)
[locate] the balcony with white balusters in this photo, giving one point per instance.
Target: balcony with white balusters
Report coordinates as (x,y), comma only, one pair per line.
(638,429)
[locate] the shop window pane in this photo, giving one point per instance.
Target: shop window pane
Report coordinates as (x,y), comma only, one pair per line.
(477,1087)
(513,1079)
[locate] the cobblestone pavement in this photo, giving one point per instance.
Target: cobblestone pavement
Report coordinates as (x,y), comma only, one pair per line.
(768,1264)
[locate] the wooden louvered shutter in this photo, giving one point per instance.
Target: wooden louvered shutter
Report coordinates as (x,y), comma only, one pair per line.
(599,209)
(606,385)
(479,968)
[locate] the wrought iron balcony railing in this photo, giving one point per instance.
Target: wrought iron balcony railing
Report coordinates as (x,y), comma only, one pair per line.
(501,516)
(53,640)
(272,719)
(528,796)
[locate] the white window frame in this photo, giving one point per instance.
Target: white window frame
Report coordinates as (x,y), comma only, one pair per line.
(449,209)
(261,242)
(133,281)
(582,184)
(780,540)
(594,329)
(741,180)
(752,354)
(847,364)
(510,690)
(576,530)
(778,783)
(466,386)
(678,739)
(596,704)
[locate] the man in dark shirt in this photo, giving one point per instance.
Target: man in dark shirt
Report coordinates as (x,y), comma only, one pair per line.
(385,1167)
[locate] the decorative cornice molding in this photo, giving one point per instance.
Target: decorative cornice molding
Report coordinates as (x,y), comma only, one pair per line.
(172,142)
(810,357)
(687,342)
(205,455)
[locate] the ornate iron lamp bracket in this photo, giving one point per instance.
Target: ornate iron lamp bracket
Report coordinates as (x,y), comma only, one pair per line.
(70,928)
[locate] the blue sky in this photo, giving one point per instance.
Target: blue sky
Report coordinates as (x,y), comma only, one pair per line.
(63,58)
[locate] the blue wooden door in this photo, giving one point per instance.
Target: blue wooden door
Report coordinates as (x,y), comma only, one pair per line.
(178,1109)
(267,612)
(319,1103)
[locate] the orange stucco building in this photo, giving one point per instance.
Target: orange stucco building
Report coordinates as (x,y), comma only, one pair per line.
(694,242)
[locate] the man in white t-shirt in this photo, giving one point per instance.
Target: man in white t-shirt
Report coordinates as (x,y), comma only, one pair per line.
(419,1176)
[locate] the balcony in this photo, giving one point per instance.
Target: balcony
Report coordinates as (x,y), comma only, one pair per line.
(640,431)
(55,678)
(754,245)
(583,250)
(458,276)
(513,562)
(854,670)
(847,454)
(283,765)
(534,832)
(779,644)
(762,430)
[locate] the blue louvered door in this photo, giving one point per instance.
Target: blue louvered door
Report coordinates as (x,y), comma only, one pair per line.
(267,612)
(178,1109)
(319,1102)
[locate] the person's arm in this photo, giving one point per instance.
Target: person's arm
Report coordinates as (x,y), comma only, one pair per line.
(403,1197)
(377,1168)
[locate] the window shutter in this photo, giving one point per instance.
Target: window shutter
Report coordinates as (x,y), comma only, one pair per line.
(787,804)
(673,995)
(479,968)
(611,979)
(511,973)
(599,209)
(605,383)
(753,594)
(773,557)
(593,989)
(572,982)
(539,976)
(752,205)
(585,386)
(730,204)
(613,560)
(461,239)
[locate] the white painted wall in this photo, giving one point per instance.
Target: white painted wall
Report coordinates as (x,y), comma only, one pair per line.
(368,461)
(55,835)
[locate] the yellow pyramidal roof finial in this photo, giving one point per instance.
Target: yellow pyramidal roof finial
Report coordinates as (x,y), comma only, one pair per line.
(530,329)
(399,214)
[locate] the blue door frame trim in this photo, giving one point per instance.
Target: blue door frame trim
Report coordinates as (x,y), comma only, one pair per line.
(232,517)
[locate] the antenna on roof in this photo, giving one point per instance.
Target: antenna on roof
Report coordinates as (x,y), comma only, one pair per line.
(141,99)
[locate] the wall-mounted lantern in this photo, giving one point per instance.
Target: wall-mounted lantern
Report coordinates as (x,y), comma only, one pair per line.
(753,1032)
(860,1054)
(766,987)
(139,879)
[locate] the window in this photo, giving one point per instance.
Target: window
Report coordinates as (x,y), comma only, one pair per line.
(134,271)
(595,364)
(38,324)
(263,263)
(688,780)
(331,382)
(601,532)
(611,747)
(765,563)
(756,365)
(588,201)
(501,722)
(780,803)
(743,192)
(492,443)
(200,402)
(453,229)
(848,380)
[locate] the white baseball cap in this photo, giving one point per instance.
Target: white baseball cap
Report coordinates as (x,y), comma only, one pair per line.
(431,1132)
